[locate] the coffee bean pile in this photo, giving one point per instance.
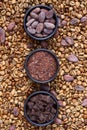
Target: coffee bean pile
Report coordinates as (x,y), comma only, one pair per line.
(42,66)
(40,22)
(41,108)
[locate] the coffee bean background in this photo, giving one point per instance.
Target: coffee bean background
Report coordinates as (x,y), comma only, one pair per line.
(15,86)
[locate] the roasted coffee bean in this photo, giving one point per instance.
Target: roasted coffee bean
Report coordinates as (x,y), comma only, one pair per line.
(30,22)
(34,24)
(49,25)
(33,99)
(39,27)
(42,17)
(49,14)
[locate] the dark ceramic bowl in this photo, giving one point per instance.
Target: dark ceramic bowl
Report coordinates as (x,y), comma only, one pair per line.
(39,38)
(27,70)
(32,95)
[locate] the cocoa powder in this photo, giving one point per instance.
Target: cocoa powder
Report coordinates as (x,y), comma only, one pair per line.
(42,66)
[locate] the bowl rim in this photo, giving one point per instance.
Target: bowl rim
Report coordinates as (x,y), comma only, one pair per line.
(35,93)
(39,38)
(27,70)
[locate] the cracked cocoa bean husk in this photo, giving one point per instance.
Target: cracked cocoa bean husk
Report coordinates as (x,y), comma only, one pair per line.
(41,108)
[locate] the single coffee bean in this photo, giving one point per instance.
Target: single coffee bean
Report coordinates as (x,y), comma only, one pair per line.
(49,14)
(49,25)
(39,27)
(33,15)
(31,30)
(34,24)
(30,22)
(47,31)
(42,16)
(36,10)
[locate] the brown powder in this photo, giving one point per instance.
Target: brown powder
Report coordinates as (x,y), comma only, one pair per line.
(42,66)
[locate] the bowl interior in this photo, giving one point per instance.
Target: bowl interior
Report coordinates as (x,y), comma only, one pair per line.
(25,20)
(27,70)
(44,93)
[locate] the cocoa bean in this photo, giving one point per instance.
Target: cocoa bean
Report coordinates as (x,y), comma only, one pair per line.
(33,15)
(39,27)
(36,10)
(49,25)
(2,35)
(31,30)
(72,58)
(49,14)
(44,10)
(42,16)
(38,35)
(11,26)
(28,18)
(47,31)
(30,22)
(34,24)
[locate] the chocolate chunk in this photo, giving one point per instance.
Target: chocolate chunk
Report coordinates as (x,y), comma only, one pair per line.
(35,107)
(41,110)
(33,118)
(33,99)
(30,105)
(53,110)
